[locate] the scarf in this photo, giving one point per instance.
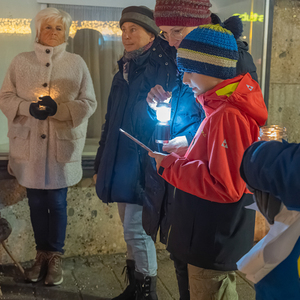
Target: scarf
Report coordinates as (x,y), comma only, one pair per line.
(132,55)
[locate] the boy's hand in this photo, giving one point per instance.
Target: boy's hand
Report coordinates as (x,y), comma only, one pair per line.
(158,158)
(178,145)
(157,94)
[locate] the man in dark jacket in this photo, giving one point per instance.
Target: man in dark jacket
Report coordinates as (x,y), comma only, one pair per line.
(186,117)
(119,161)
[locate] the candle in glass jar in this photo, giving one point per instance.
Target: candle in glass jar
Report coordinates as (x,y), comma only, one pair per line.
(272,133)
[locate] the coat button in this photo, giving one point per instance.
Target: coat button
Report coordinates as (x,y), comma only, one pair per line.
(160,55)
(154,49)
(166,63)
(45,84)
(43,136)
(47,64)
(48,51)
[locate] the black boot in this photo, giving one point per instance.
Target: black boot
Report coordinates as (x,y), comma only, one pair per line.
(146,287)
(130,291)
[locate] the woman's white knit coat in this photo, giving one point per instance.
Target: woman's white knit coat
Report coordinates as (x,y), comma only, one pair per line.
(47,154)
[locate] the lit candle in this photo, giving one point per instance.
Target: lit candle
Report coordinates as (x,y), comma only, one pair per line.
(41,107)
(272,133)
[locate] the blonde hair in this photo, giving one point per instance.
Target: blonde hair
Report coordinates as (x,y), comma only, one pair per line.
(52,13)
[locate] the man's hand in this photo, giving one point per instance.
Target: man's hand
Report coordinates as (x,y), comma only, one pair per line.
(179,145)
(157,94)
(158,158)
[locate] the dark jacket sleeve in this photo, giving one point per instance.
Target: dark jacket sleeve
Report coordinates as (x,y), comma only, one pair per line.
(101,147)
(274,167)
(143,126)
(187,113)
(161,69)
(245,63)
(104,131)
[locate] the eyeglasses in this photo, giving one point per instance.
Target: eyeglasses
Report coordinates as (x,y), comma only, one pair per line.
(175,34)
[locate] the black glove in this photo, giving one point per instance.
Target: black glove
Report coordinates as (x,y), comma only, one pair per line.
(50,104)
(268,204)
(38,113)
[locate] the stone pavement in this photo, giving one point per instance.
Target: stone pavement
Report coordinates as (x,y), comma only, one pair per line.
(97,278)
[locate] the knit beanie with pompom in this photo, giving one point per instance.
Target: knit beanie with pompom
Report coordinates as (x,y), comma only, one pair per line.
(211,49)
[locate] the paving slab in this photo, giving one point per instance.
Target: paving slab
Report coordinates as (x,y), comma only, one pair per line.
(98,278)
(95,279)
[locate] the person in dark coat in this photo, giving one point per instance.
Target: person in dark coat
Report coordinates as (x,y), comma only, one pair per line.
(147,61)
(186,116)
(271,170)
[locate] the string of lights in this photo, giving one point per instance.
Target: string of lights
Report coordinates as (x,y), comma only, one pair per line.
(22,26)
(15,26)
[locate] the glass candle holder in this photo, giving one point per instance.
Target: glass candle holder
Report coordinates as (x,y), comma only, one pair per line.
(162,128)
(272,133)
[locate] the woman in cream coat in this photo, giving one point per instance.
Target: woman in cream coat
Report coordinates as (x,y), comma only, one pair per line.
(47,97)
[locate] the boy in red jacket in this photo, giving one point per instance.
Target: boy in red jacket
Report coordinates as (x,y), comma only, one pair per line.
(211,228)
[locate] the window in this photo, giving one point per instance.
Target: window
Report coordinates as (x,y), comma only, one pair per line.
(94,34)
(96,37)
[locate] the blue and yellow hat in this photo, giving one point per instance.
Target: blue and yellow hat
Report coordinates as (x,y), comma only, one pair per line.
(211,50)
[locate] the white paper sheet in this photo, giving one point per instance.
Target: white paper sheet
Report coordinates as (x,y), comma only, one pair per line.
(274,247)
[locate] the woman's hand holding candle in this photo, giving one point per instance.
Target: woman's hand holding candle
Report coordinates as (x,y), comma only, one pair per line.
(49,105)
(36,112)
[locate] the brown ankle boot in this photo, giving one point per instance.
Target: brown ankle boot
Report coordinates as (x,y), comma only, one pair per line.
(55,272)
(39,269)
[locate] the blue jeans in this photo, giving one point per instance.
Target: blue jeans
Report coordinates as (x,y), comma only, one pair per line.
(282,283)
(48,213)
(140,246)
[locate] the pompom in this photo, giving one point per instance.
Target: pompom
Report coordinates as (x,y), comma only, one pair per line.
(215,19)
(235,25)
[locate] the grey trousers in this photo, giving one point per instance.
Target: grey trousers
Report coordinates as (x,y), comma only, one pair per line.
(140,246)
